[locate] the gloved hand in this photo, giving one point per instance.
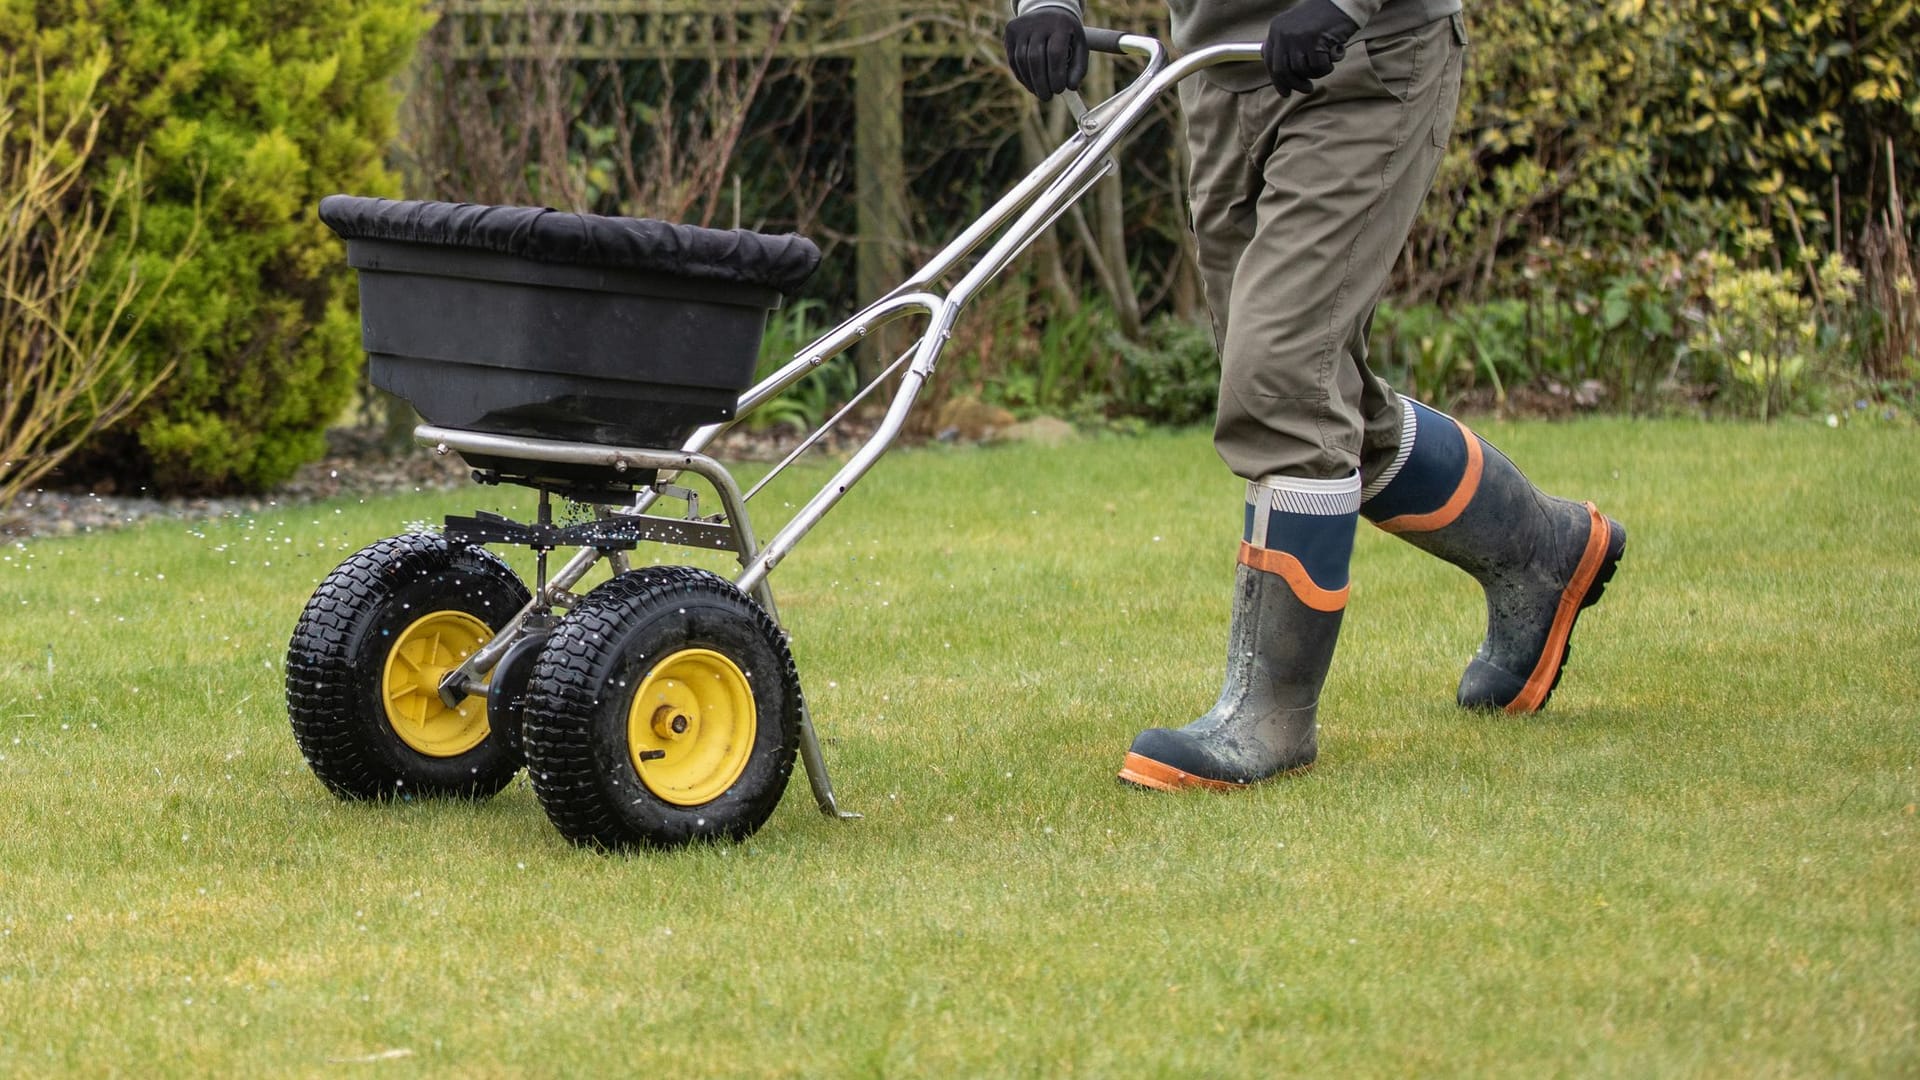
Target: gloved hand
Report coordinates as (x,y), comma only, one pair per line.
(1303,43)
(1047,50)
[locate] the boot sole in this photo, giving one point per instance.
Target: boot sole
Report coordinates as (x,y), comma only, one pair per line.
(1606,543)
(1145,772)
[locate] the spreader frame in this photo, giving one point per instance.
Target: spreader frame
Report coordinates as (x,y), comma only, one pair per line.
(1005,230)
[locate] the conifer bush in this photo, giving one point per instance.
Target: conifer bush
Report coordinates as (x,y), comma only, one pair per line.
(68,318)
(256,109)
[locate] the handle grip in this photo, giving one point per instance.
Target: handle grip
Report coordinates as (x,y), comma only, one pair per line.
(1104,41)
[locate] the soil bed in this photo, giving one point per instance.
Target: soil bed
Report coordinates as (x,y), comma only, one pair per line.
(356,464)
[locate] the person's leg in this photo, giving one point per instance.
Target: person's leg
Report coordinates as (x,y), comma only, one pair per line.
(1300,208)
(1290,591)
(1540,559)
(1341,174)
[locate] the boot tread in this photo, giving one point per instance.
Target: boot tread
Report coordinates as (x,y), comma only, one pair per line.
(1606,544)
(1142,771)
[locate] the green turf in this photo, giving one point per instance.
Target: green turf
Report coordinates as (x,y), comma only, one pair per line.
(1702,859)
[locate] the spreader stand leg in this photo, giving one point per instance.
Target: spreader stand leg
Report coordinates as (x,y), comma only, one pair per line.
(810,755)
(816,764)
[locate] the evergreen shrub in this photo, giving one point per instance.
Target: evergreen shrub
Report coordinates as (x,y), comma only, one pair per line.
(255,109)
(1670,127)
(67,317)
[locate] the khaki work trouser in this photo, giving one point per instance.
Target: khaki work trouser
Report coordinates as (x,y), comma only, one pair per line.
(1300,207)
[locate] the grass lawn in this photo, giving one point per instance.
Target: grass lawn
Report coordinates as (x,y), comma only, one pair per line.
(1703,859)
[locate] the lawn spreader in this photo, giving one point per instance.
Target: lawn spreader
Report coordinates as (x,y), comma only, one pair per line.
(594,359)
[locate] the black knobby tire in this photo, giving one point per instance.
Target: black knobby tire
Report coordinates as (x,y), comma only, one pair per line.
(338,661)
(582,700)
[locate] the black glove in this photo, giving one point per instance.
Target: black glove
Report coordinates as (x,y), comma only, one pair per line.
(1303,43)
(1047,50)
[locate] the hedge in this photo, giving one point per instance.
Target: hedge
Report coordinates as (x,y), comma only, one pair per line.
(250,110)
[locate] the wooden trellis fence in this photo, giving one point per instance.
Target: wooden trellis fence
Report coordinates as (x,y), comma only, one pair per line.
(877,36)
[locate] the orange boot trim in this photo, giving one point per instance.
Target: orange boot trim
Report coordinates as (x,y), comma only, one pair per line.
(1159,776)
(1455,504)
(1149,773)
(1540,683)
(1285,566)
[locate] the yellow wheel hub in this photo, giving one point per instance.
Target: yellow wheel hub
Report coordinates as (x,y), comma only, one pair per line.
(690,729)
(410,684)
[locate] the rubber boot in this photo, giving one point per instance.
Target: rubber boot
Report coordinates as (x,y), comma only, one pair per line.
(1541,559)
(1290,591)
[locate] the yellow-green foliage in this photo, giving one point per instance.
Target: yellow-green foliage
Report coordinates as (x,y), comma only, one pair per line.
(1677,122)
(1762,326)
(68,317)
(261,107)
(1778,98)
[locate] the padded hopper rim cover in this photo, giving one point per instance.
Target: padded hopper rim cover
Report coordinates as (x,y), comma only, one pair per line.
(782,262)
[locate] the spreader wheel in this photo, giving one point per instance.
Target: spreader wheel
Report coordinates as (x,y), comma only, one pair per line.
(664,709)
(365,664)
